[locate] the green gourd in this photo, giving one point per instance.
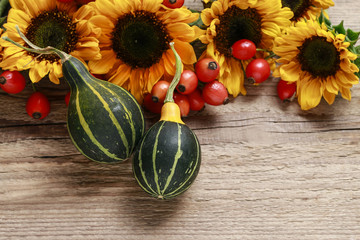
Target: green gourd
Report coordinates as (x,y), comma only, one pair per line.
(104,121)
(167,159)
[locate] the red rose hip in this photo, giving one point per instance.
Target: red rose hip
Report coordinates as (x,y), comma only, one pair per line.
(207,69)
(38,106)
(258,70)
(12,82)
(215,93)
(243,49)
(188,82)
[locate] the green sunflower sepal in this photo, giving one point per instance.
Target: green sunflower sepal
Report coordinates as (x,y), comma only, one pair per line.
(4,9)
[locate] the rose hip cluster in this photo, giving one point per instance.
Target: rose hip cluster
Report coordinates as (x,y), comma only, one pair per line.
(258,70)
(13,82)
(195,89)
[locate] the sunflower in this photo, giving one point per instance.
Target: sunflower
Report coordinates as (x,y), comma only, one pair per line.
(48,23)
(228,21)
(135,42)
(306,8)
(318,61)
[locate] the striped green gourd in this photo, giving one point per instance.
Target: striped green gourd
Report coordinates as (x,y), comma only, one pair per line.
(104,121)
(167,159)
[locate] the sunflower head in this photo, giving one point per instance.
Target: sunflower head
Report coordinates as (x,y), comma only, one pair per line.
(318,60)
(228,21)
(135,42)
(306,8)
(48,23)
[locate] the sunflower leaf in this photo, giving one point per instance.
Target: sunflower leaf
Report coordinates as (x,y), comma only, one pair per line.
(323,19)
(357,63)
(4,7)
(352,36)
(340,28)
(357,49)
(198,23)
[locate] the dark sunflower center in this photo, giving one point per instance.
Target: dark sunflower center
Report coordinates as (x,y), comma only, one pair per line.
(236,24)
(298,7)
(139,39)
(52,28)
(319,57)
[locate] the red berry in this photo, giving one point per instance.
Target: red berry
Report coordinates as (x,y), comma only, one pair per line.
(173,3)
(258,70)
(215,93)
(286,90)
(67,98)
(207,69)
(12,82)
(98,76)
(150,105)
(159,91)
(188,82)
(82,2)
(65,1)
(38,105)
(196,101)
(183,102)
(243,49)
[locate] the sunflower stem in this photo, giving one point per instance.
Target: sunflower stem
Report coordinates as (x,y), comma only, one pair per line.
(270,56)
(33,87)
(263,50)
(170,93)
(243,69)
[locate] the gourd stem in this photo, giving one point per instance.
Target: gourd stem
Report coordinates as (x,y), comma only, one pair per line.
(170,93)
(35,49)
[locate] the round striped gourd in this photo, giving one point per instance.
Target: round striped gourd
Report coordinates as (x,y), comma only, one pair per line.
(167,160)
(104,121)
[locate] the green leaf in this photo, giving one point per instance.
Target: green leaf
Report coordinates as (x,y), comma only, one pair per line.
(357,49)
(352,36)
(198,23)
(4,7)
(323,19)
(357,63)
(340,28)
(2,21)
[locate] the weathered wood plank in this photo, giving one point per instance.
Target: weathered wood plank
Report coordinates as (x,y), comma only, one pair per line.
(269,171)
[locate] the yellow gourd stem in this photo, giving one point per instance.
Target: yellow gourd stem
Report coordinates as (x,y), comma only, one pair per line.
(170,110)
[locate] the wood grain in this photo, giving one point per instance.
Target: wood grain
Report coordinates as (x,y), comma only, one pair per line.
(269,171)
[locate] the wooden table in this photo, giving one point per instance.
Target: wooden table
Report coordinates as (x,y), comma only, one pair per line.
(269,171)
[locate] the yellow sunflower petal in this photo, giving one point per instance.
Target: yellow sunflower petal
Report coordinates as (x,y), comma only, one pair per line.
(136,84)
(311,93)
(234,82)
(329,97)
(331,85)
(106,26)
(87,48)
(103,65)
(169,62)
(185,51)
(181,31)
(345,93)
(121,75)
(290,72)
(155,73)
